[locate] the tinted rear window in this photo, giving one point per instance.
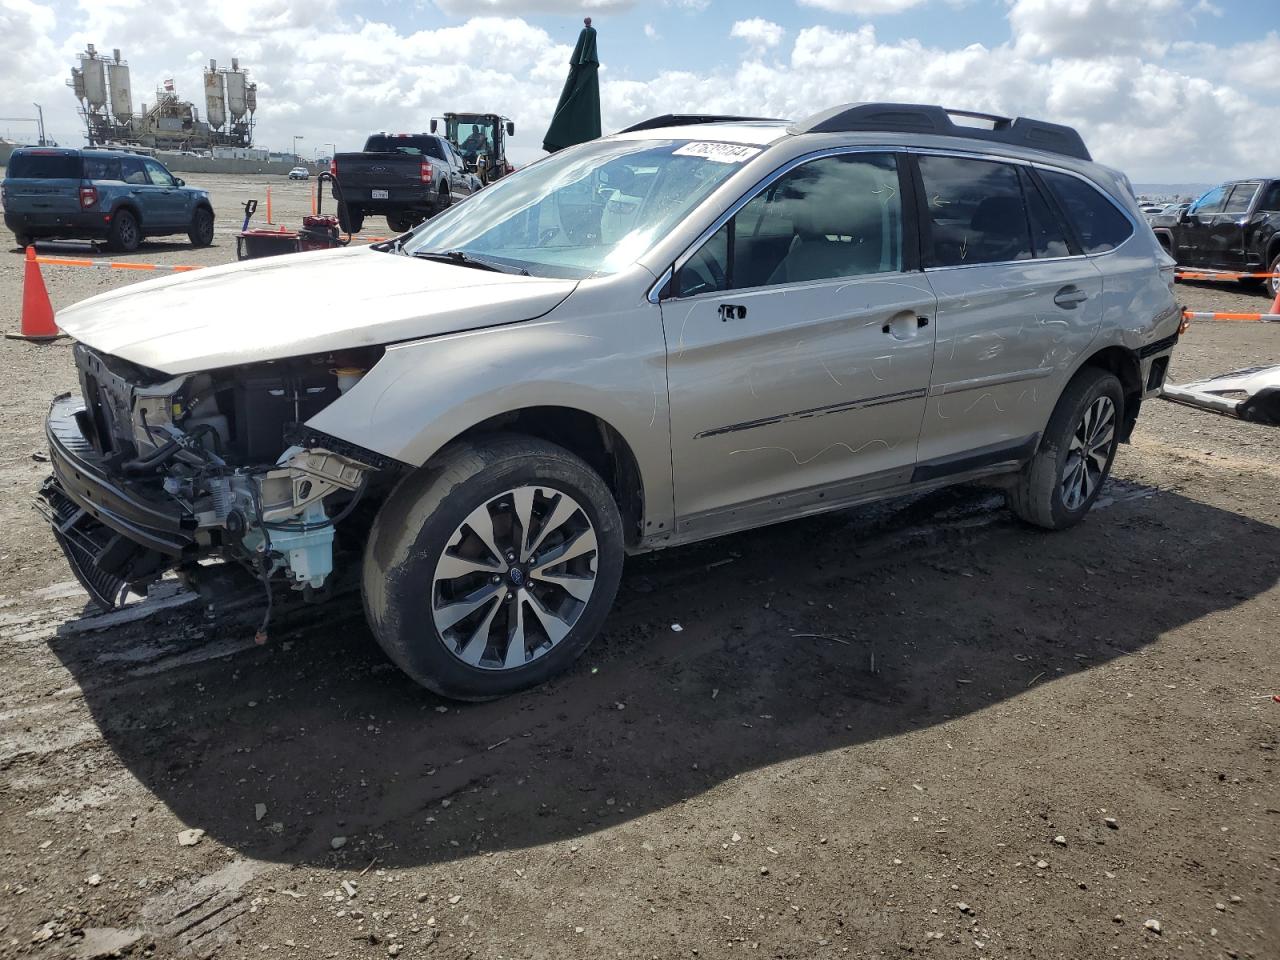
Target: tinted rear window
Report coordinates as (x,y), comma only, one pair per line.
(1097,221)
(976,211)
(415,146)
(44,166)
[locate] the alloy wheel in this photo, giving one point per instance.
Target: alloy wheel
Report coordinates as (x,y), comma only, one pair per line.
(1088,453)
(514,578)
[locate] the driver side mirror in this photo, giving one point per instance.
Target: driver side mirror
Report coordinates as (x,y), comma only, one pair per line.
(511,128)
(179,181)
(433,124)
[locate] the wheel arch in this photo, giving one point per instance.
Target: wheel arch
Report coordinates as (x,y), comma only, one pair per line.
(1126,366)
(130,206)
(586,435)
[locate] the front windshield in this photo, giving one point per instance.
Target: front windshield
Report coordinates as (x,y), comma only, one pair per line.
(586,211)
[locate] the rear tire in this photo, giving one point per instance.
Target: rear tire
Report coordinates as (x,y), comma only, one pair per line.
(402,222)
(124,235)
(532,503)
(201,232)
(1057,488)
(351,221)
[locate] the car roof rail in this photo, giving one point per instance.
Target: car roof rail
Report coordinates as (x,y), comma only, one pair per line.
(928,119)
(688,119)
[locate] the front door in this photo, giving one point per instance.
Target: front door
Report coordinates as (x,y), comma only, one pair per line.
(1191,235)
(799,342)
(1224,238)
(166,205)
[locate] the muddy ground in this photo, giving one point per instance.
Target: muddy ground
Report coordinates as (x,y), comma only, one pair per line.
(917,730)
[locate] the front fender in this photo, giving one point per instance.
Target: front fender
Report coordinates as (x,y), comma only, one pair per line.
(422,395)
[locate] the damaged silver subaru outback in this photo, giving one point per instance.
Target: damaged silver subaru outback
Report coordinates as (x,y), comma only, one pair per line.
(695,326)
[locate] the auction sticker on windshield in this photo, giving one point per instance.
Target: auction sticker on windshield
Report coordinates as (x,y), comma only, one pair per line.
(718,152)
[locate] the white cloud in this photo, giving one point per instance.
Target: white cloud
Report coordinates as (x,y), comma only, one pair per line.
(651,32)
(758,33)
(863,8)
(1084,28)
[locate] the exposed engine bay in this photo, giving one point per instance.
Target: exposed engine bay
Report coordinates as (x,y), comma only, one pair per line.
(153,473)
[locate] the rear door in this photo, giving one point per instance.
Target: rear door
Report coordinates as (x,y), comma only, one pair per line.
(43,186)
(1017,300)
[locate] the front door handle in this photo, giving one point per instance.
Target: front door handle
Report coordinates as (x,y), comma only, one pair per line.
(732,311)
(1069,297)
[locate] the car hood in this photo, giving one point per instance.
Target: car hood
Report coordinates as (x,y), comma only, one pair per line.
(298,304)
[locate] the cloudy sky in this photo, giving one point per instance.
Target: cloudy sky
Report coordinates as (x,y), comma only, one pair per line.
(1168,90)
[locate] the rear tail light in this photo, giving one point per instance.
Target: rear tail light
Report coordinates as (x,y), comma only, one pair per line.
(333,168)
(88,197)
(424,172)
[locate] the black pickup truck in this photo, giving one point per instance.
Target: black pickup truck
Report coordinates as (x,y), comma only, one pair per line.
(1235,226)
(404,177)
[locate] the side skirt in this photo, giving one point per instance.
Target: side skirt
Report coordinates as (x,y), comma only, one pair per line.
(986,462)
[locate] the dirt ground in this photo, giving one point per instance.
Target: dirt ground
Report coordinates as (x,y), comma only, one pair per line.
(921,729)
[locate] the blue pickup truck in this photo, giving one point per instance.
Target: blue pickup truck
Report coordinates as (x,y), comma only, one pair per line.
(100,195)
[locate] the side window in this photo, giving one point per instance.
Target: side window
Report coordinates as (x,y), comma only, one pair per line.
(159,175)
(1098,222)
(1271,198)
(131,170)
(1047,236)
(1210,203)
(1241,196)
(976,214)
(101,168)
(833,217)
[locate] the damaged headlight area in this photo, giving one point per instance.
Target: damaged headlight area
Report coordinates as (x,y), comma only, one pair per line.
(153,473)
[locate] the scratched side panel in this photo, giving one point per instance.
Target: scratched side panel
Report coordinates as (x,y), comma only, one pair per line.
(1005,349)
(807,389)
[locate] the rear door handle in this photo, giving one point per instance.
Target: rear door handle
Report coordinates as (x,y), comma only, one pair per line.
(1069,297)
(732,311)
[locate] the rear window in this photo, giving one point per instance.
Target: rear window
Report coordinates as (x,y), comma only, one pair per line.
(44,166)
(1097,221)
(976,211)
(414,146)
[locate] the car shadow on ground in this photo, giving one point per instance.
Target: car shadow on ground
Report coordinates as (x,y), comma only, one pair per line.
(797,639)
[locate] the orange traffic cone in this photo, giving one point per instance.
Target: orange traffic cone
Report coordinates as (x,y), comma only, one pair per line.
(1275,304)
(37,311)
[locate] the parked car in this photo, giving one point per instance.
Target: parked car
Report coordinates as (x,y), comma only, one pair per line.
(299,173)
(404,177)
(109,195)
(1235,226)
(676,332)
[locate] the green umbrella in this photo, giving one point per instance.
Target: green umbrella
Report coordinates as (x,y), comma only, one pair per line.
(577,116)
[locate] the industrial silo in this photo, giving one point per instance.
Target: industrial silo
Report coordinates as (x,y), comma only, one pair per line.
(95,79)
(118,82)
(237,105)
(215,99)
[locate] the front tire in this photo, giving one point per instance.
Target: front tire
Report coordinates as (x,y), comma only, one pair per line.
(201,232)
(1057,488)
(492,569)
(124,236)
(1273,282)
